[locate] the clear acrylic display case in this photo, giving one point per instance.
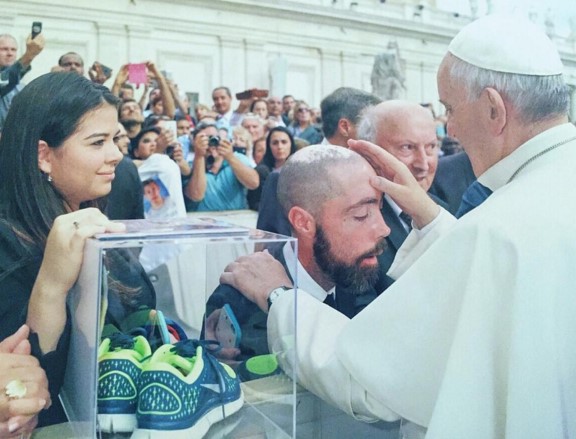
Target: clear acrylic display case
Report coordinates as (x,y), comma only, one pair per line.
(183,259)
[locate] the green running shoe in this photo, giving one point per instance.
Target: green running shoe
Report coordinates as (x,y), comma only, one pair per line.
(120,359)
(183,390)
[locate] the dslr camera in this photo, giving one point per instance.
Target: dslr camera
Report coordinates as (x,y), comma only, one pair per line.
(213,141)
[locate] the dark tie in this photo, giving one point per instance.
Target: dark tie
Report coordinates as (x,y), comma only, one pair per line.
(330,301)
(407,219)
(472,197)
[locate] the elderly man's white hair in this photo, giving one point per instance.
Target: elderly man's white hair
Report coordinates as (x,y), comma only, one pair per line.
(307,178)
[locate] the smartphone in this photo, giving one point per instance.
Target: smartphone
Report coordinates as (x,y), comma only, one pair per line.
(228,331)
(240,149)
(36,28)
(137,73)
(106,70)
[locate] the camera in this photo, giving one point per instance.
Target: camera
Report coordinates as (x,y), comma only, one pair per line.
(240,149)
(213,141)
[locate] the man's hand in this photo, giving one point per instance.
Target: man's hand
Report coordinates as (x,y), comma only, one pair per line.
(97,74)
(255,276)
(396,180)
(33,48)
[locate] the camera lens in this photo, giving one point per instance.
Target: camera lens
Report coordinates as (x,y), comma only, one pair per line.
(213,141)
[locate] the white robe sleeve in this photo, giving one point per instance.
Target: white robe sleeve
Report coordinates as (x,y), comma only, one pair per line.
(319,369)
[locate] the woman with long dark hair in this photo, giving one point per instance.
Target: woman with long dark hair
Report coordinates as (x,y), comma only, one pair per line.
(57,161)
(279,146)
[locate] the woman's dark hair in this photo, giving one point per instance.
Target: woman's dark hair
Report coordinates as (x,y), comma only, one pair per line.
(50,108)
(268,158)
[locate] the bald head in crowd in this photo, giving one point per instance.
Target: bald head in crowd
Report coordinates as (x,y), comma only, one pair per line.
(407,131)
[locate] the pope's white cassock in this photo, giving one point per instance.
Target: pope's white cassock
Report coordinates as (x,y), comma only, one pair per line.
(477,337)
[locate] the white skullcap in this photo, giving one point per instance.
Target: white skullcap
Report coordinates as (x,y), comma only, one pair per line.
(507,44)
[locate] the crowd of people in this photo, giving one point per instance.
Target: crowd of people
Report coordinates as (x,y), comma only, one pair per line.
(375,207)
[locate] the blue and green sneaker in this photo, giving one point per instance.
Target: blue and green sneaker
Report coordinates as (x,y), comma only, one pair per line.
(183,390)
(120,359)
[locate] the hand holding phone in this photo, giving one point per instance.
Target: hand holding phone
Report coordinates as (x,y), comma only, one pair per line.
(36,28)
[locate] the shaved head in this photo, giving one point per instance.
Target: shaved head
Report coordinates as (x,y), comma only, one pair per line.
(310,176)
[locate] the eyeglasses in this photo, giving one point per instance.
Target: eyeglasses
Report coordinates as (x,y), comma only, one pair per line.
(303,110)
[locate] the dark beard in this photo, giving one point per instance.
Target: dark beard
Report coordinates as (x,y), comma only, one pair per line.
(353,278)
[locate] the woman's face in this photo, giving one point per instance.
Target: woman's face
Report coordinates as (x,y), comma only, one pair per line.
(82,168)
(146,145)
(261,109)
(280,146)
(302,114)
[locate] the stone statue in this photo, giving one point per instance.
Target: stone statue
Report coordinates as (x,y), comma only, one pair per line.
(388,74)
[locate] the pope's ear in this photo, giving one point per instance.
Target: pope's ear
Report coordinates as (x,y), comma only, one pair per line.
(497,109)
(302,221)
(44,157)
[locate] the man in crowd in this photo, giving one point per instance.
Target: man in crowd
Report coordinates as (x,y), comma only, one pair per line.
(343,212)
(130,115)
(288,103)
(275,110)
(222,99)
(408,132)
(220,176)
(485,350)
(12,70)
(72,62)
(342,108)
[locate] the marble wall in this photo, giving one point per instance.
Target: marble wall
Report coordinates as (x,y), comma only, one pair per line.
(304,48)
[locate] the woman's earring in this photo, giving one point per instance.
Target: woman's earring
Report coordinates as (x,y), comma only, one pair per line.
(49,178)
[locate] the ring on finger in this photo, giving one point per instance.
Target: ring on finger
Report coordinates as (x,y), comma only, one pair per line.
(15,389)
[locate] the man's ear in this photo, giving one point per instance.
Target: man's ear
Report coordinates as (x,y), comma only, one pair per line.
(497,110)
(44,157)
(302,221)
(344,127)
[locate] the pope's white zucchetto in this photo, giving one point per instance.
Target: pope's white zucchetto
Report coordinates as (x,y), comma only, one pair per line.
(509,44)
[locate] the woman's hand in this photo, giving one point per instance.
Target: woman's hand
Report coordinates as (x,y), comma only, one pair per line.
(18,416)
(65,245)
(59,270)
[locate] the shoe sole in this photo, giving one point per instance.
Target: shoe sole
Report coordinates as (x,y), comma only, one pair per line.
(117,423)
(199,429)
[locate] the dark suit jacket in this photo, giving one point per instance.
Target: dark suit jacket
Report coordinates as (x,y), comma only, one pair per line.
(252,320)
(453,176)
(396,238)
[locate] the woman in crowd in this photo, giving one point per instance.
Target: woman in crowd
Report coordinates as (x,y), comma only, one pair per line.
(260,107)
(58,154)
(302,127)
(279,146)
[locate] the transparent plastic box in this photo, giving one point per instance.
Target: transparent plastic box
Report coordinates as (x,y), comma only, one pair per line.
(183,260)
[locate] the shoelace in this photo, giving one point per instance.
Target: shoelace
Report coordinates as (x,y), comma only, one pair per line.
(187,349)
(119,340)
